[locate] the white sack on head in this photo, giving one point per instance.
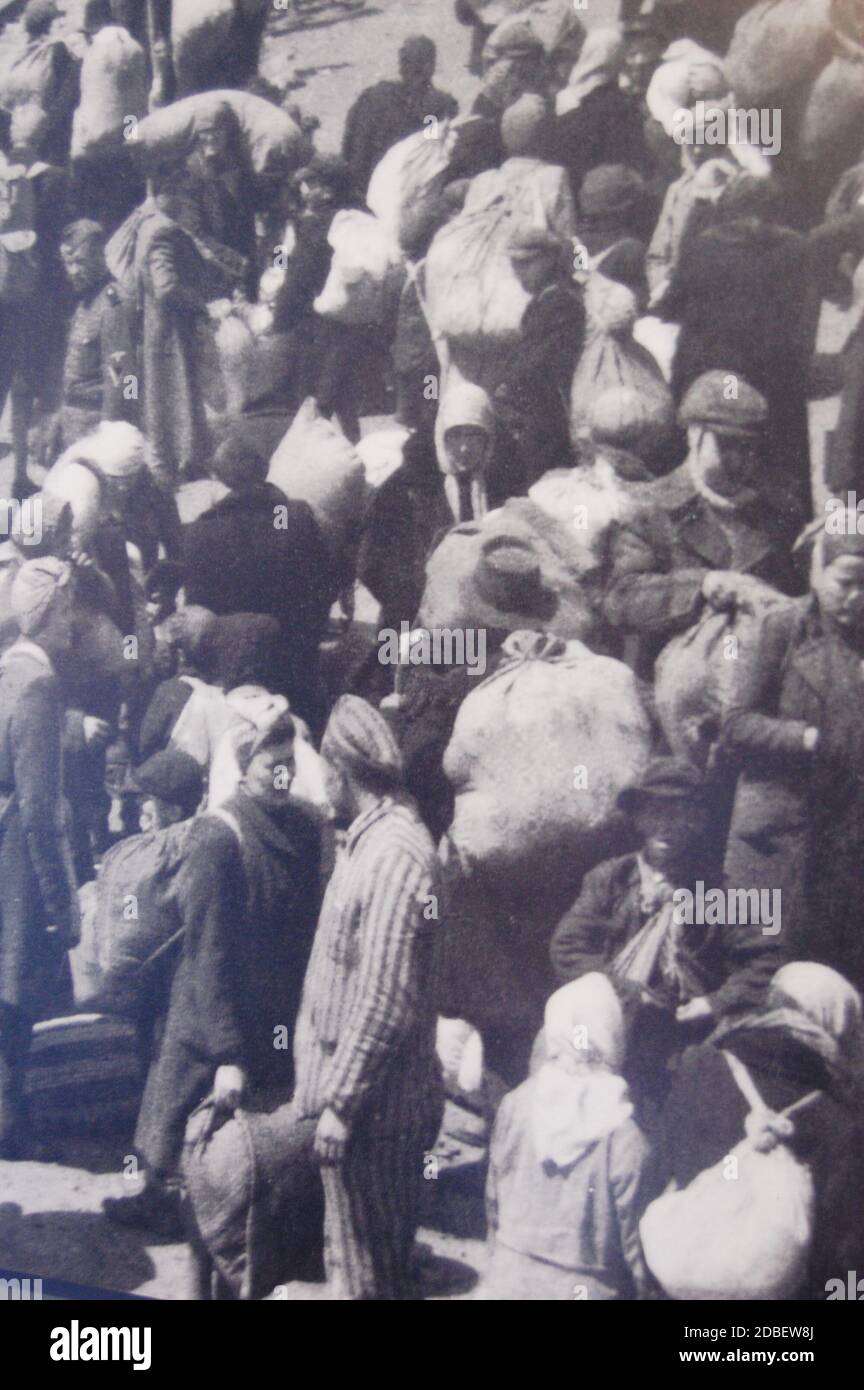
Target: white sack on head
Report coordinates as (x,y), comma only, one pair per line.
(367,272)
(315,463)
(114,88)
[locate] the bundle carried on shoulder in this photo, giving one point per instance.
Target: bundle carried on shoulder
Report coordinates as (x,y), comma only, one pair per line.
(315,463)
(539,754)
(611,360)
(471,290)
(744,1239)
(591,501)
(777,49)
(274,142)
(834,111)
(407,183)
(114,87)
(699,671)
(367,272)
(128,923)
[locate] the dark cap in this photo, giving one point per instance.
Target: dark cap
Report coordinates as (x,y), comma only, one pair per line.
(725,403)
(667,779)
(170,775)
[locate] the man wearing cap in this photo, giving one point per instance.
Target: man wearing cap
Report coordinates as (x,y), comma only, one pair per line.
(534,395)
(690,972)
(795,730)
(365,1041)
(390,111)
(709,532)
(39,904)
(99,381)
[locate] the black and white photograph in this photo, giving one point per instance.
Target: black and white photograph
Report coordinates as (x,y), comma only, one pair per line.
(432,660)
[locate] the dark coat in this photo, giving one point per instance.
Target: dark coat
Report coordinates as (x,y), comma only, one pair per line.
(704,1117)
(746,294)
(798,818)
(381,117)
(607,128)
(249,908)
(238,561)
(660,558)
(35,857)
(535,393)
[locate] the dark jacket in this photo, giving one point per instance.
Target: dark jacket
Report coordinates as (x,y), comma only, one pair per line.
(381,117)
(535,392)
(659,560)
(798,818)
(35,857)
(248,907)
(238,560)
(607,128)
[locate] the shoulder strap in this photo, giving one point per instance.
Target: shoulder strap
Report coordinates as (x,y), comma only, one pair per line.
(749,1090)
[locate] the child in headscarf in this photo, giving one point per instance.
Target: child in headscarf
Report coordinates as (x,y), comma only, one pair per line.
(570,1170)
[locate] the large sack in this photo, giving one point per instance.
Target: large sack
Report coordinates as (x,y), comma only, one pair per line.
(687,73)
(612,359)
(777,49)
(30,78)
(741,1238)
(200,30)
(452,597)
(409,180)
(131,925)
(698,673)
(472,293)
(316,464)
(554,23)
(833,115)
(367,272)
(250,364)
(114,87)
(592,502)
(84,1077)
(255,1190)
(72,477)
(539,754)
(274,141)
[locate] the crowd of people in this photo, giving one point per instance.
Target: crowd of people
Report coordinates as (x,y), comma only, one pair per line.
(199,737)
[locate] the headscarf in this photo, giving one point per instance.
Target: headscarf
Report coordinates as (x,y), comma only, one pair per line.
(599,64)
(35,589)
(578,1097)
(816,1007)
(466,404)
(358,737)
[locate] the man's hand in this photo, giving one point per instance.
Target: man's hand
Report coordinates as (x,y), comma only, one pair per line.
(696,1009)
(229,1087)
(720,590)
(331,1139)
(96,731)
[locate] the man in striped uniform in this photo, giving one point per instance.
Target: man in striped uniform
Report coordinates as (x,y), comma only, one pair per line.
(365,1040)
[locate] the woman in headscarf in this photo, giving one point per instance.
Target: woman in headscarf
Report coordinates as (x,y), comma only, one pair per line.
(806,1038)
(39,910)
(570,1171)
(247,899)
(597,122)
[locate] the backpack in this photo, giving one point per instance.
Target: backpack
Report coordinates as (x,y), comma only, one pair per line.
(742,1238)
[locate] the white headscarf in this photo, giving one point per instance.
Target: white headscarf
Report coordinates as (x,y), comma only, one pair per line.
(578,1096)
(599,63)
(828,1000)
(463,403)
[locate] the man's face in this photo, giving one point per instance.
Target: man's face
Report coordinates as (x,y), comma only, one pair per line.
(84,264)
(211,142)
(155,814)
(668,827)
(416,73)
(728,466)
(338,792)
(467,448)
(640,63)
(840,590)
(270,774)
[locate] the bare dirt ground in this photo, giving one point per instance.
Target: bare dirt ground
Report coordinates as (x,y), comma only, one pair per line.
(50,1219)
